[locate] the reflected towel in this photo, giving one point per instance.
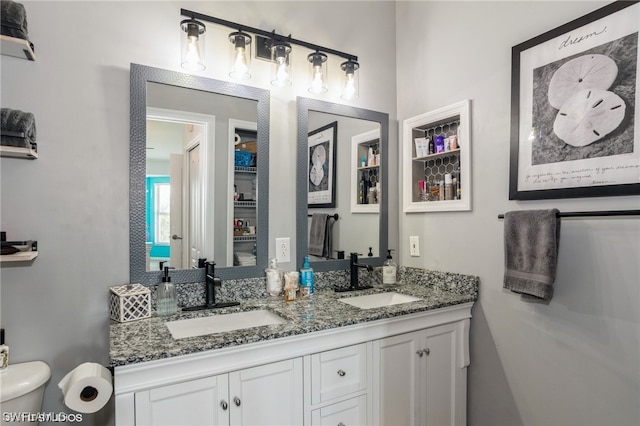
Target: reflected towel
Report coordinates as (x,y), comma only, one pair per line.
(13,19)
(531,241)
(317,234)
(13,120)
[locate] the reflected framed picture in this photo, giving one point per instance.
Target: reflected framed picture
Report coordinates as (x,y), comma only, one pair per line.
(321,169)
(574,108)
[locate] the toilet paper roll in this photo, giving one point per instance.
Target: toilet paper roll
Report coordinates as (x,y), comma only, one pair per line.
(87,388)
(237,139)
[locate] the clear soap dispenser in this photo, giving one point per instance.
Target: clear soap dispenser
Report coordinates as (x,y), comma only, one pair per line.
(389,270)
(167,301)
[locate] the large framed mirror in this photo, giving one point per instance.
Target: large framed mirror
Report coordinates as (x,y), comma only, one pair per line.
(332,139)
(199,159)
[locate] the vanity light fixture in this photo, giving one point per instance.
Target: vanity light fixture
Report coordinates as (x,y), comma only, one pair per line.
(351,85)
(193,45)
(240,55)
(318,75)
(280,48)
(281,58)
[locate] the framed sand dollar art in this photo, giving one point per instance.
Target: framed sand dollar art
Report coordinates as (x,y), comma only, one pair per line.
(575,122)
(321,191)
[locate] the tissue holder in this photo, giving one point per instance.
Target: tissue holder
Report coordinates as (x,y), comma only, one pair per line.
(129,302)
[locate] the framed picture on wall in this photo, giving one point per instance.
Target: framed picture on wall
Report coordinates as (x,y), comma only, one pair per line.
(321,170)
(574,108)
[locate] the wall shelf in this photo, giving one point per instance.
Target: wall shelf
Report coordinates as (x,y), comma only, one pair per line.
(17,47)
(29,252)
(448,123)
(18,152)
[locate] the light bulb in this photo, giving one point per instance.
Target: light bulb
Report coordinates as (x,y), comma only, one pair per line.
(281,73)
(349,87)
(193,45)
(318,83)
(193,52)
(240,55)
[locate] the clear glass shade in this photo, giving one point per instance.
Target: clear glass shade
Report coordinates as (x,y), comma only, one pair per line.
(240,56)
(192,45)
(317,73)
(351,80)
(281,58)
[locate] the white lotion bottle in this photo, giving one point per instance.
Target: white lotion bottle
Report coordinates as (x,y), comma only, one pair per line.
(389,271)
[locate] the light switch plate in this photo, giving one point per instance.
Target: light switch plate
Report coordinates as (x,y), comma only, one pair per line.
(414,245)
(283,250)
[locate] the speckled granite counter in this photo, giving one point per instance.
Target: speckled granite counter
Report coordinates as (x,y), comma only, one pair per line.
(150,339)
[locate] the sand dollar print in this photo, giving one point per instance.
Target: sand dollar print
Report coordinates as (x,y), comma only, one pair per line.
(589,115)
(584,72)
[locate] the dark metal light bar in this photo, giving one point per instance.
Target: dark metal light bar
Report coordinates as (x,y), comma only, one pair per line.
(267,34)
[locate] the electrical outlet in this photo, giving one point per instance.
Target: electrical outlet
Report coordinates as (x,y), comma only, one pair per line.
(283,252)
(414,245)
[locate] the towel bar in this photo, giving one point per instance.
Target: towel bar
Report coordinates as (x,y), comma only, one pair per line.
(595,213)
(331,216)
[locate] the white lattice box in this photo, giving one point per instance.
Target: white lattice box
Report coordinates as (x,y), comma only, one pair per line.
(129,302)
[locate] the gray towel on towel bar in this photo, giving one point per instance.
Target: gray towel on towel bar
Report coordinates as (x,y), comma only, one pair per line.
(317,234)
(13,120)
(531,241)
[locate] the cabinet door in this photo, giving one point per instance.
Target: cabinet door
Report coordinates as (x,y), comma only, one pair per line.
(439,363)
(194,402)
(395,379)
(351,412)
(270,394)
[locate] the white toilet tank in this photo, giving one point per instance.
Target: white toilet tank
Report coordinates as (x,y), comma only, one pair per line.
(21,391)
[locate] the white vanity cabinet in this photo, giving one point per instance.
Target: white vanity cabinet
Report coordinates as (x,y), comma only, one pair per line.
(337,389)
(406,370)
(419,378)
(269,394)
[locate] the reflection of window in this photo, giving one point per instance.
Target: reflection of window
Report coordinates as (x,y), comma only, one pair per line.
(162,192)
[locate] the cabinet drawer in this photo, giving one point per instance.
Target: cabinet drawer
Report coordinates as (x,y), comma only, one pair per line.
(338,372)
(352,412)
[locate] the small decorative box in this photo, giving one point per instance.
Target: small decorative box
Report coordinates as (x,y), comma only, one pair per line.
(129,302)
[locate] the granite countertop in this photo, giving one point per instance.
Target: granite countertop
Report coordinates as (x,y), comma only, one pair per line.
(149,339)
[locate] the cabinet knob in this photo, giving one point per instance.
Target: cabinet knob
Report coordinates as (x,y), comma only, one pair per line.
(341,373)
(426,351)
(236,401)
(341,424)
(420,353)
(224,405)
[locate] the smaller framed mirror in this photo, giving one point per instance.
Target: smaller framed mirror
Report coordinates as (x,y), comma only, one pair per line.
(333,183)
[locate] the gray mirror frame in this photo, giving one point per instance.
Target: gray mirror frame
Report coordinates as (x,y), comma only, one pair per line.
(140,76)
(304,105)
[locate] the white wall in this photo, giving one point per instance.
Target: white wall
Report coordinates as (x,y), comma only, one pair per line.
(575,361)
(75,198)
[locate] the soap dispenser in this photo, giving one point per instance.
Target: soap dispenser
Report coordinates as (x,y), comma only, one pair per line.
(389,270)
(167,301)
(306,279)
(274,278)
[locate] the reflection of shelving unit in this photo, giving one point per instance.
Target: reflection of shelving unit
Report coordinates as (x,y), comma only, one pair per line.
(17,47)
(244,181)
(451,121)
(360,145)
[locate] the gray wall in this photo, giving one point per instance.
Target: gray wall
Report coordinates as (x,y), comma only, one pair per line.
(575,361)
(74,199)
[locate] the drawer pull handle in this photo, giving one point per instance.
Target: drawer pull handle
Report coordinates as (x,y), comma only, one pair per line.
(236,401)
(341,424)
(224,405)
(342,373)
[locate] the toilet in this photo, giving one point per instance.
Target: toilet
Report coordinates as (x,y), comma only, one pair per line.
(21,390)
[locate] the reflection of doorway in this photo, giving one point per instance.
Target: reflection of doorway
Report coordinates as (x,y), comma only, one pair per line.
(177,146)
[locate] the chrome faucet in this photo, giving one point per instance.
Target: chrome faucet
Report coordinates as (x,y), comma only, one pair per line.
(353,267)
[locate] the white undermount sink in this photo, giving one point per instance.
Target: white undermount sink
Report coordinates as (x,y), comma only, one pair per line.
(192,327)
(378,300)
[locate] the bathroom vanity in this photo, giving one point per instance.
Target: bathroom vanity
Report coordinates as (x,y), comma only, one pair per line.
(328,363)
